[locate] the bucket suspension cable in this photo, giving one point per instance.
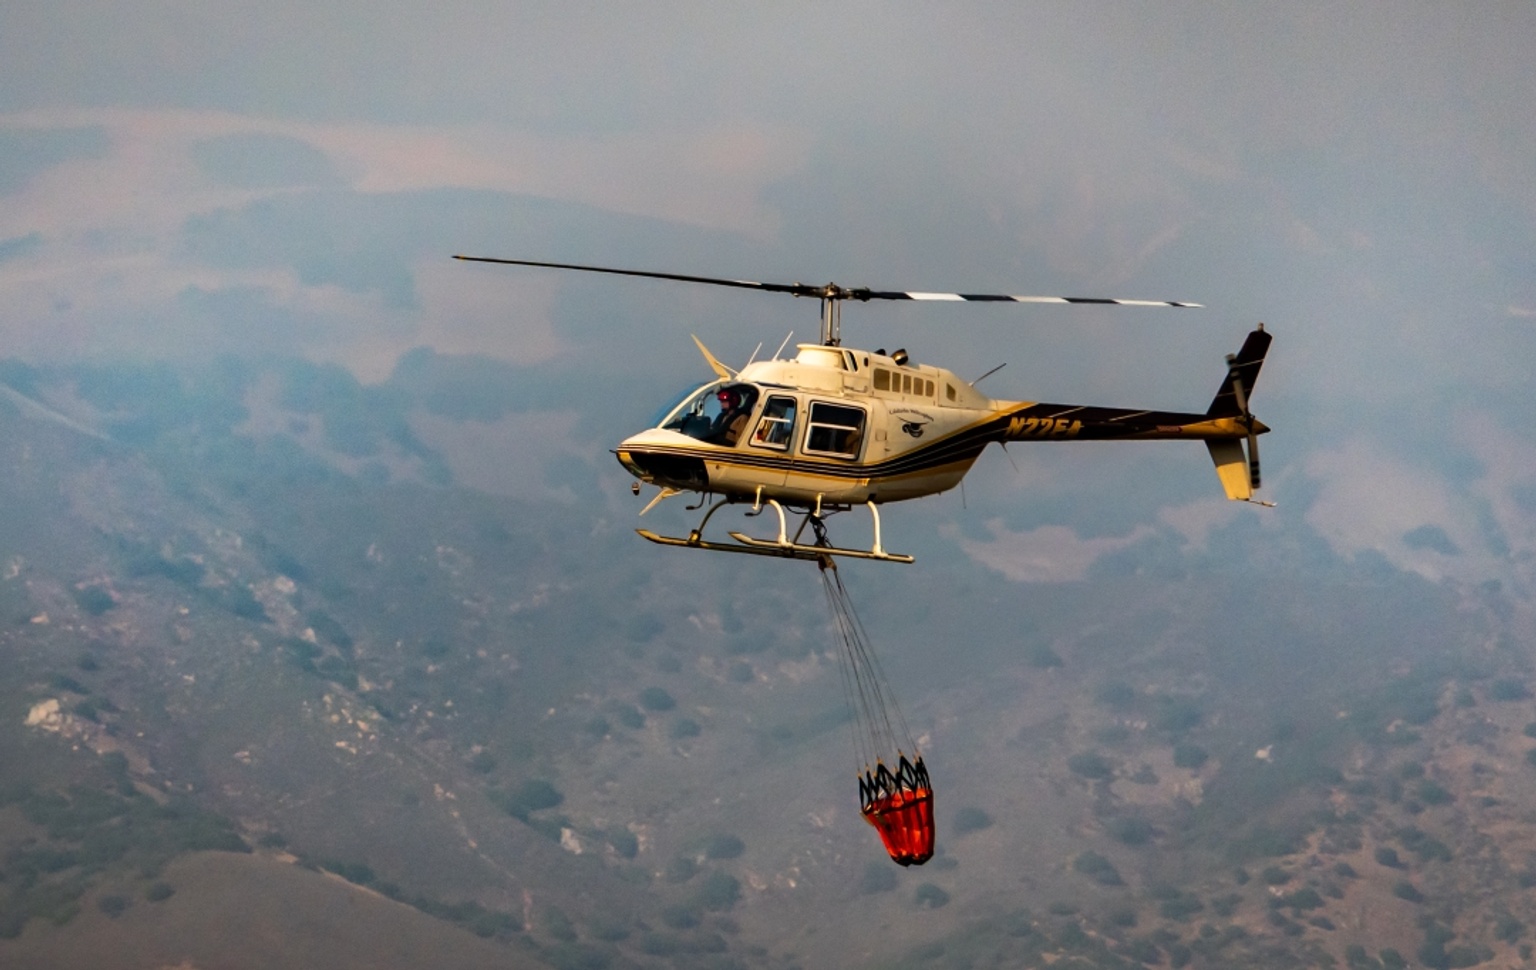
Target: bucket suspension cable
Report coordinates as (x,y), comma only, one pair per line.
(878,726)
(898,803)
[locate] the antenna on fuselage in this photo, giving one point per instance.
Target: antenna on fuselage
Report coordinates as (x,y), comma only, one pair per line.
(989,373)
(776,353)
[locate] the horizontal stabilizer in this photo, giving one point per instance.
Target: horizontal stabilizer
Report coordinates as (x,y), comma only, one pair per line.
(1231,468)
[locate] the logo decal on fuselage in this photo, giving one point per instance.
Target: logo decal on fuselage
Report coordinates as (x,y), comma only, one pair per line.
(912,422)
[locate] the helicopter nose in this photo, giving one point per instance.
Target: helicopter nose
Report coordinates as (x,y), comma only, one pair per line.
(630,465)
(658,466)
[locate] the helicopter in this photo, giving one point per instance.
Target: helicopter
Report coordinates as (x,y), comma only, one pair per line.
(834,428)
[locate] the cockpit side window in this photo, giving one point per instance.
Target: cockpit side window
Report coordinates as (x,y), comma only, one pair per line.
(716,413)
(736,403)
(834,429)
(776,427)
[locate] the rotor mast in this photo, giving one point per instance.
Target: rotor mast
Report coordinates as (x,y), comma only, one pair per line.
(831,322)
(831,297)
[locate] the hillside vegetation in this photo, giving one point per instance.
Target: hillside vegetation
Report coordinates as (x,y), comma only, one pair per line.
(272,669)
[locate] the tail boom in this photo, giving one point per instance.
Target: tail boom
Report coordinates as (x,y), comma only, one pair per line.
(1224,427)
(1065,422)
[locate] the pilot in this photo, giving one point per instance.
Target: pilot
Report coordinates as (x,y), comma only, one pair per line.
(733,417)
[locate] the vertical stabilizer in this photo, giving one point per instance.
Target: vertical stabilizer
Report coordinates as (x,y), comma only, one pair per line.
(1242,371)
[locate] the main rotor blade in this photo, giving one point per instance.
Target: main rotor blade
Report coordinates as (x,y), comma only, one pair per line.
(831,291)
(1006,298)
(795,288)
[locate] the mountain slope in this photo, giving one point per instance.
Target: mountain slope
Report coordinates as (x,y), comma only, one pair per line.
(252,613)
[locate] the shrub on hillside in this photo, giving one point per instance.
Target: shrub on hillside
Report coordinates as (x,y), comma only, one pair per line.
(724,846)
(1097,868)
(1508,689)
(532,796)
(1091,765)
(719,892)
(929,896)
(1191,756)
(656,699)
(971,819)
(1130,830)
(879,877)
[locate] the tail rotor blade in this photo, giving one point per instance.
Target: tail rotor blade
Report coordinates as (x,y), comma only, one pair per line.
(1242,398)
(1253,459)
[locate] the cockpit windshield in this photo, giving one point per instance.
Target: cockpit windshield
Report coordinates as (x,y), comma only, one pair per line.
(660,418)
(716,413)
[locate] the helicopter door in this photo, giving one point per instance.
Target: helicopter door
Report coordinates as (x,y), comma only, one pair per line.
(774,432)
(776,428)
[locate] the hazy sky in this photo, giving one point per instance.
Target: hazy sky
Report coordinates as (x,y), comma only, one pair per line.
(186,179)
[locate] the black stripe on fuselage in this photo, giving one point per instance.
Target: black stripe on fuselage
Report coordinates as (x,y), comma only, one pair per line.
(1098,424)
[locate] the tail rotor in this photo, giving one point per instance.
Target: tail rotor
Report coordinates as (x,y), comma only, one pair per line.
(1245,416)
(1239,472)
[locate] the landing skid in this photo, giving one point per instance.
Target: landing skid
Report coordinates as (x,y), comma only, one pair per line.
(782,547)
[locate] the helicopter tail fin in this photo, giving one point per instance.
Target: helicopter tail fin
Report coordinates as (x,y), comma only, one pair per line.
(1237,470)
(1231,398)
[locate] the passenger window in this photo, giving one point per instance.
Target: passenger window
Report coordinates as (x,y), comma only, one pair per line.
(882,379)
(777,425)
(949,391)
(834,430)
(906,383)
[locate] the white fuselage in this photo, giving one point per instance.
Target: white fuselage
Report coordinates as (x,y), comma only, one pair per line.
(833,426)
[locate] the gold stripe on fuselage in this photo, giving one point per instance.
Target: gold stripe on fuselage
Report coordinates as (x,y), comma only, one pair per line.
(936,465)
